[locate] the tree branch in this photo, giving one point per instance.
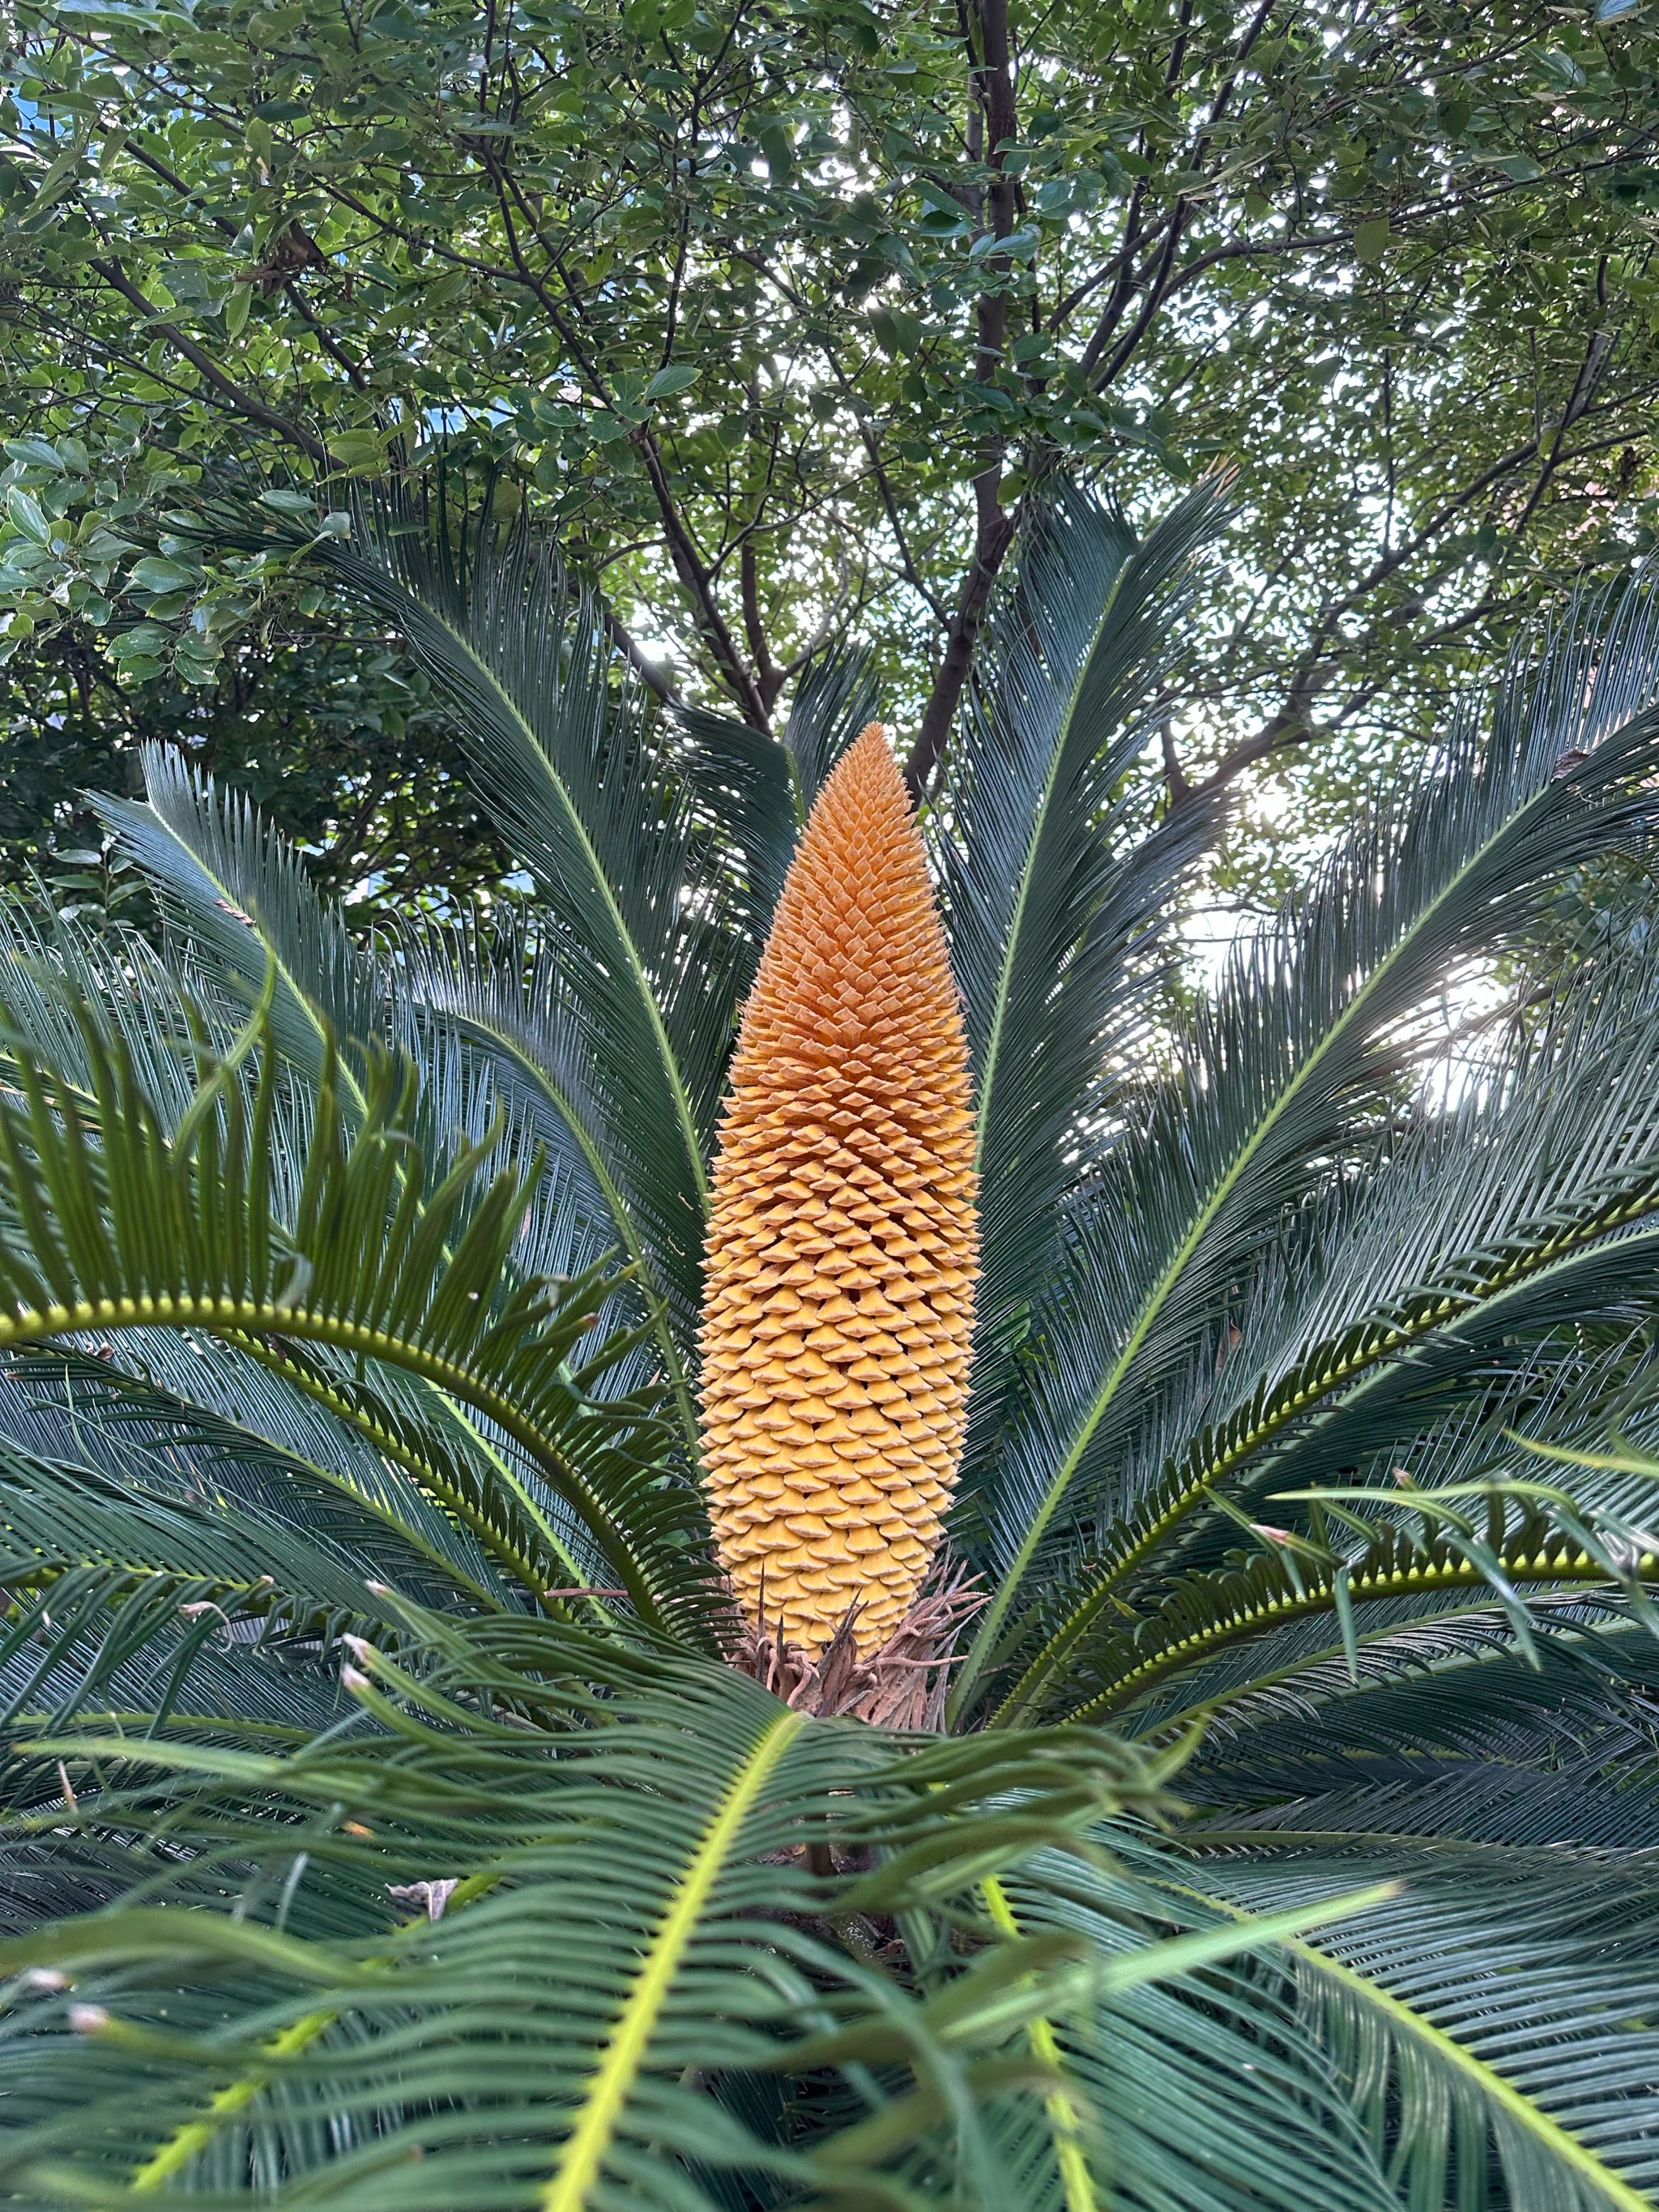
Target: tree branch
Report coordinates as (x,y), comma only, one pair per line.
(913,575)
(991,80)
(235,396)
(695,578)
(650,675)
(1292,723)
(689,565)
(767,677)
(291,291)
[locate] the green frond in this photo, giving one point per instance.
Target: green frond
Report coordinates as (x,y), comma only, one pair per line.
(144,1229)
(1497,2010)
(1202,1613)
(503,999)
(1207,2093)
(86,1413)
(127,1596)
(1304,1043)
(48,969)
(835,698)
(635,1926)
(243,913)
(637,839)
(1055,870)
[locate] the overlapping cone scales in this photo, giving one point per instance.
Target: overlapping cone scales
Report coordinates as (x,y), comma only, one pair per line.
(841,1248)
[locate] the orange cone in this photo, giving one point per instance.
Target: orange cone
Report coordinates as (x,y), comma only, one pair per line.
(841,1248)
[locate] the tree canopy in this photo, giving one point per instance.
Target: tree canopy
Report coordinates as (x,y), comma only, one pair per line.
(778,314)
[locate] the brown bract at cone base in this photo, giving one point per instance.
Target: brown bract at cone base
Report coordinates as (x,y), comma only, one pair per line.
(902,1684)
(841,1248)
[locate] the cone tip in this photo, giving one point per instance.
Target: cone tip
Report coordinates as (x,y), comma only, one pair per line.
(867,764)
(871,754)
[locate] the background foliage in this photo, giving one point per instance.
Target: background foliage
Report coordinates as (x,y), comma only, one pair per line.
(776,312)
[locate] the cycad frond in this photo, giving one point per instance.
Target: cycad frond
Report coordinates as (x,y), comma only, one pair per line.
(652,849)
(1056,872)
(834,701)
(498,1001)
(50,969)
(656,848)
(1501,2007)
(1211,2094)
(620,1930)
(245,918)
(1202,1613)
(243,912)
(279,1454)
(150,1227)
(1305,1037)
(834,698)
(1475,1239)
(123,1590)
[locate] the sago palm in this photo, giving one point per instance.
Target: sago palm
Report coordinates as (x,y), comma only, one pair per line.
(1098,1653)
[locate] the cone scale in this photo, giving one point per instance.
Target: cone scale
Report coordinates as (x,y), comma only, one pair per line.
(842,1247)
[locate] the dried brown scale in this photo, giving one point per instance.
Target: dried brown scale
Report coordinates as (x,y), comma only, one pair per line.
(841,1248)
(901,1685)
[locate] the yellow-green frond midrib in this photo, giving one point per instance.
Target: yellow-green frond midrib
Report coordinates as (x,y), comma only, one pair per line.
(595,2127)
(237,1319)
(1352,1015)
(1405,1582)
(1332,1373)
